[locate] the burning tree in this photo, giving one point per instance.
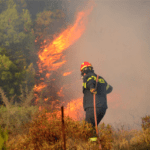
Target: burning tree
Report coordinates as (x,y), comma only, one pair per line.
(52,58)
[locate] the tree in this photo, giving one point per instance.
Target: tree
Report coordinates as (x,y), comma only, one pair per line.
(16,30)
(14,26)
(13,76)
(47,24)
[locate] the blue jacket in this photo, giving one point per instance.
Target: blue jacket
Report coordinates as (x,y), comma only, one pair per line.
(103,88)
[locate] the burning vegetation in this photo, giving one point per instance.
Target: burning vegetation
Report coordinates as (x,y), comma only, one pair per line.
(42,130)
(51,58)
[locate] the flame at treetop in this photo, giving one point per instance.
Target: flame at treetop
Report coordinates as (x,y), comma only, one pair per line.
(51,58)
(53,52)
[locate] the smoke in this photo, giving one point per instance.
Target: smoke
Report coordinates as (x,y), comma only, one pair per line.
(116,42)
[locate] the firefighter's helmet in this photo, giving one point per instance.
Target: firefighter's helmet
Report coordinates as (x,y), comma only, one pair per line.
(85,68)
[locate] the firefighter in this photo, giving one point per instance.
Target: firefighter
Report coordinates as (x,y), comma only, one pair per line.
(103,88)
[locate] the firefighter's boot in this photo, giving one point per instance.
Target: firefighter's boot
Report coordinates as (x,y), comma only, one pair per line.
(93,139)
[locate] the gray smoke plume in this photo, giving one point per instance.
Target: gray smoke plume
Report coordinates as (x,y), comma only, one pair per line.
(116,42)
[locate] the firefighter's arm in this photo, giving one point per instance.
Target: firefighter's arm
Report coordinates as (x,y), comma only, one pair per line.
(91,85)
(109,89)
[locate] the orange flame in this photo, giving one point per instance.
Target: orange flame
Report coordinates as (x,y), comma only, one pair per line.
(51,58)
(48,75)
(38,88)
(45,99)
(74,110)
(53,52)
(67,73)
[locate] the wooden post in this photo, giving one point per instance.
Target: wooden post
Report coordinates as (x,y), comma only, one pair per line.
(63,128)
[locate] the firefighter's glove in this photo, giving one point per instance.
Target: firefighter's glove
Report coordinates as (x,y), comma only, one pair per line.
(93,91)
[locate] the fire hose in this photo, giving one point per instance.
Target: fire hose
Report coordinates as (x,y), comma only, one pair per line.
(94,102)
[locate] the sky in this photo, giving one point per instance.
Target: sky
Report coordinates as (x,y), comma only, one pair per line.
(116,42)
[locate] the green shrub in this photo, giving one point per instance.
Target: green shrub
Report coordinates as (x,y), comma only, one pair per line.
(3,138)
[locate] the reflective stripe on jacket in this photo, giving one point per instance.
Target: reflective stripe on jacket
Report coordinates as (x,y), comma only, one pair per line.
(103,88)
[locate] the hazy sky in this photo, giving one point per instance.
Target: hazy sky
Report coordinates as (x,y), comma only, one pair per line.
(117,43)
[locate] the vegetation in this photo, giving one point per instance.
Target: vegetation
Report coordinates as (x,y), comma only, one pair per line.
(44,132)
(134,139)
(21,36)
(14,75)
(3,138)
(29,128)
(22,125)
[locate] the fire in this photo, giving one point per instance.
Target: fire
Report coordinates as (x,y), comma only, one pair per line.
(53,52)
(48,75)
(74,110)
(67,73)
(38,88)
(45,99)
(51,58)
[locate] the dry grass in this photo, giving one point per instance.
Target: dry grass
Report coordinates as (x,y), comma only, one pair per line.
(44,133)
(30,129)
(132,140)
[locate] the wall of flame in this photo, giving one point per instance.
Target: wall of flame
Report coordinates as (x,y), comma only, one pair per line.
(51,58)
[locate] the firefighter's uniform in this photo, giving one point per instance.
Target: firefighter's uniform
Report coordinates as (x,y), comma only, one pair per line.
(103,88)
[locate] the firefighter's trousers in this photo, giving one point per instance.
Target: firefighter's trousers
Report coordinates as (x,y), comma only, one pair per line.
(100,112)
